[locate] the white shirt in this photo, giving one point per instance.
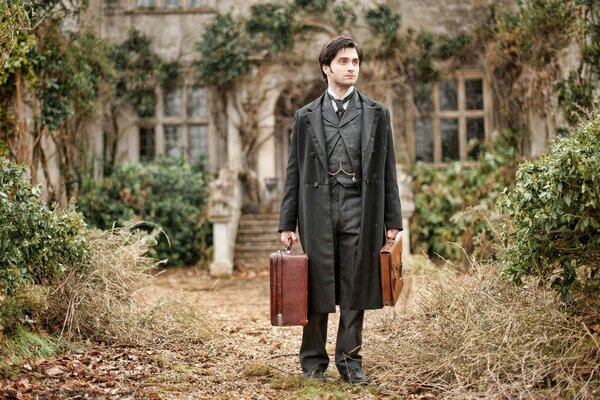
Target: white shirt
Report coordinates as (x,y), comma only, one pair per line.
(350,89)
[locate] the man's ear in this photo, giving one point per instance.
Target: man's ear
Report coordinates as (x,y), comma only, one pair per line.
(325,69)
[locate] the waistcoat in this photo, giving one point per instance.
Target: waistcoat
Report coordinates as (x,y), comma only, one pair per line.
(343,142)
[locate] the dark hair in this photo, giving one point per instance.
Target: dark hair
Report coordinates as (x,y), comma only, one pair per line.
(331,48)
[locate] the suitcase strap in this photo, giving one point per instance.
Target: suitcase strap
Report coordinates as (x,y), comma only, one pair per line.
(279,280)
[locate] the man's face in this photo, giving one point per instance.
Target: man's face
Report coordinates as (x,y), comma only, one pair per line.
(343,71)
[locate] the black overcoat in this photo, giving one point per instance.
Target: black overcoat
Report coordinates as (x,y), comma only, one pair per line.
(305,203)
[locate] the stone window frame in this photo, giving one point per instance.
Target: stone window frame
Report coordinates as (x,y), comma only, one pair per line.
(461,114)
(157,5)
(160,121)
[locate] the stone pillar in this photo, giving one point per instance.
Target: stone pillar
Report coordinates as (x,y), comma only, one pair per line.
(408,207)
(222,214)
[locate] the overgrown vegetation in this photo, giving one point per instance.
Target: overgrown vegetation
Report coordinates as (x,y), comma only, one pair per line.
(228,44)
(455,204)
(553,224)
(103,299)
(59,279)
(36,243)
(479,336)
(166,194)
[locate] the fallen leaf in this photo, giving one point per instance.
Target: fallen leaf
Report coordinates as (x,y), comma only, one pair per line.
(23,385)
(53,371)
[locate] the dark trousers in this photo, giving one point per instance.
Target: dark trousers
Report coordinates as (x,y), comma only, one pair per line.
(345,215)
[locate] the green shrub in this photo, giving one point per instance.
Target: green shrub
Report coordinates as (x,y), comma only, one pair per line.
(553,230)
(454,204)
(166,192)
(36,244)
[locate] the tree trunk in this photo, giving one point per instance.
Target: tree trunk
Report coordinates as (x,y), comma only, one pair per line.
(23,145)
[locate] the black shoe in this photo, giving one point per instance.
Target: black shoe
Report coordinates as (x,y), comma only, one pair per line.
(356,377)
(314,374)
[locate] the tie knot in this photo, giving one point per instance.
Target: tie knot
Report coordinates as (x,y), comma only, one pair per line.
(340,102)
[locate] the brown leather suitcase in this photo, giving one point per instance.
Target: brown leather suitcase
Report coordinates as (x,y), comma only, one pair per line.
(391,271)
(289,288)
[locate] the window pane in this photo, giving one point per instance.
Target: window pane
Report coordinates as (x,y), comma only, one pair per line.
(450,148)
(474,94)
(448,96)
(475,135)
(147,144)
(424,139)
(173,103)
(423,97)
(173,144)
(198,3)
(198,103)
(172,3)
(146,3)
(198,143)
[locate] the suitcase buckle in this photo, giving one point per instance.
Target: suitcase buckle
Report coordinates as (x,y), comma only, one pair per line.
(279,319)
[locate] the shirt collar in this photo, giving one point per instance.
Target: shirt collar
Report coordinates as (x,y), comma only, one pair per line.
(350,89)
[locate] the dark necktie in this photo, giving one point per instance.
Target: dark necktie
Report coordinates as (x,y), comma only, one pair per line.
(340,104)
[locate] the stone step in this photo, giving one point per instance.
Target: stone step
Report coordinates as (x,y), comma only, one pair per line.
(258,229)
(259,218)
(258,225)
(256,247)
(257,236)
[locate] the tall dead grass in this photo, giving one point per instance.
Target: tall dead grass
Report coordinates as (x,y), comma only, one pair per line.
(477,336)
(105,300)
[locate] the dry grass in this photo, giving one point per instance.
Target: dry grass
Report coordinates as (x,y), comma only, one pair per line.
(104,300)
(477,336)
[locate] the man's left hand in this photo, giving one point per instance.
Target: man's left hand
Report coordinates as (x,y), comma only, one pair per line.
(391,234)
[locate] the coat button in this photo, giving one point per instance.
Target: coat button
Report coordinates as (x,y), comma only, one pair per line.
(312,154)
(316,184)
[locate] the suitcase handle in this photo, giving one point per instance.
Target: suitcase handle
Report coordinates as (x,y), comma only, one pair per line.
(288,246)
(279,281)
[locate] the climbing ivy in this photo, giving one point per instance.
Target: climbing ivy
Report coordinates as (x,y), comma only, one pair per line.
(383,22)
(577,93)
(223,53)
(271,25)
(228,43)
(314,6)
(137,66)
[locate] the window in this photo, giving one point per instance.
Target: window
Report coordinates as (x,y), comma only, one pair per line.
(172,105)
(146,3)
(451,118)
(180,128)
(198,4)
(173,142)
(147,144)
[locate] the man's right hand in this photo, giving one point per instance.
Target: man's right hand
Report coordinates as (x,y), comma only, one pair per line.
(288,238)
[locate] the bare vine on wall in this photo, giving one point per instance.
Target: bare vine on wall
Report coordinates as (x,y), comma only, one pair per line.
(253,131)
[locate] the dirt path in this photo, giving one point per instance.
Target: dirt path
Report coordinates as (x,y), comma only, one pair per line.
(256,360)
(246,359)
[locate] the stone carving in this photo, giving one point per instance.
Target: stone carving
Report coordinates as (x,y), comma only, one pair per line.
(221,196)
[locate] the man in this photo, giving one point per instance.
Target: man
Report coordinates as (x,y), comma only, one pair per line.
(341,192)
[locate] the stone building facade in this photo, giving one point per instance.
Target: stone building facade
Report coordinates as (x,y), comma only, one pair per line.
(447,114)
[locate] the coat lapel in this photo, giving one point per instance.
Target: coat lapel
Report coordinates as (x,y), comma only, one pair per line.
(371,113)
(315,128)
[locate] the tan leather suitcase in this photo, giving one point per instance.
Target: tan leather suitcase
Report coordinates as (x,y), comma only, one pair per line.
(391,271)
(289,288)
